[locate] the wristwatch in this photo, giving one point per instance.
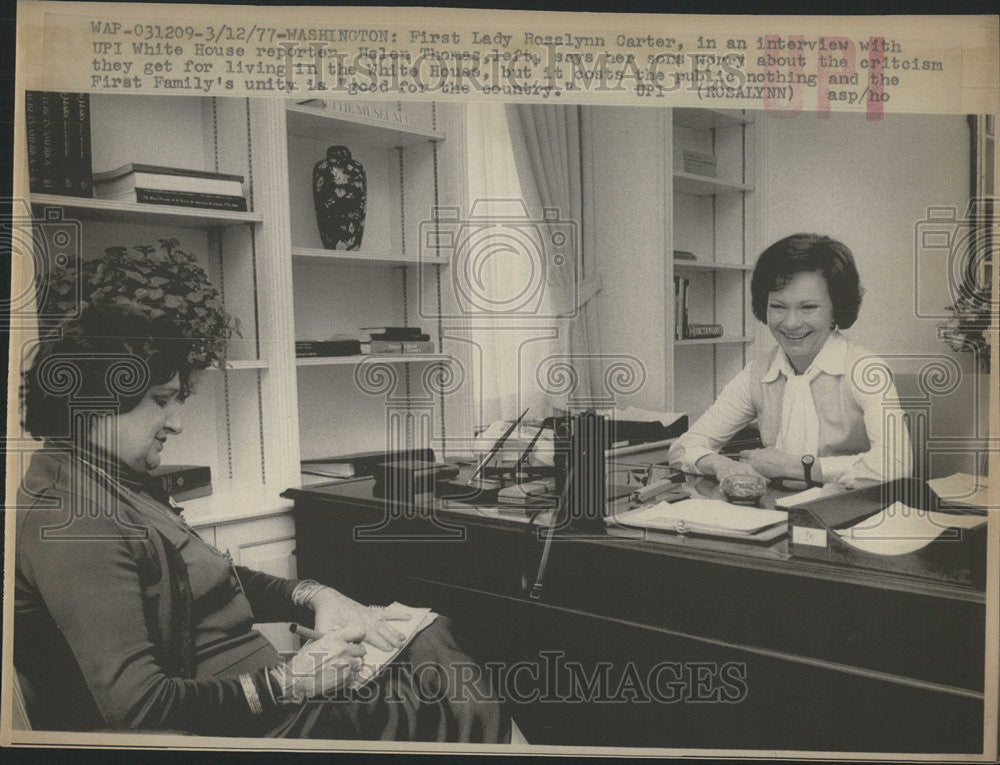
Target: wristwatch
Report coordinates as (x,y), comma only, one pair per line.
(808,461)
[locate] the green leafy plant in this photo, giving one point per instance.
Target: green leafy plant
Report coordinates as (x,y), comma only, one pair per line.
(159,282)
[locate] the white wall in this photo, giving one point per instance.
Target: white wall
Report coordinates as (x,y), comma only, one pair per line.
(868,184)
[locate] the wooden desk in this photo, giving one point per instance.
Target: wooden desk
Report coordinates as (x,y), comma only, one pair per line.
(694,644)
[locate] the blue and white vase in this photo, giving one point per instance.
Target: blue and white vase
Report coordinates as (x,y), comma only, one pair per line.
(339,194)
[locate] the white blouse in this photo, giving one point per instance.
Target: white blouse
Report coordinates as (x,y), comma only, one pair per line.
(851,421)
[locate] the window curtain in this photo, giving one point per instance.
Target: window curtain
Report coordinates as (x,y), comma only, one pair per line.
(529,316)
(547,151)
(506,329)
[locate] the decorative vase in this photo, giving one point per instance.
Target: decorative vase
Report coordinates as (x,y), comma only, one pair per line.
(339,193)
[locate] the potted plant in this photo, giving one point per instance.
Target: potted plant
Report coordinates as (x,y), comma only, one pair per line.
(158,281)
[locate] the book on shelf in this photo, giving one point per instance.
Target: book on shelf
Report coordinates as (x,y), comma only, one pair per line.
(181,199)
(361,463)
(57,127)
(696,163)
(394,333)
(684,255)
(323,348)
(376,347)
(681,285)
(697,331)
(134,175)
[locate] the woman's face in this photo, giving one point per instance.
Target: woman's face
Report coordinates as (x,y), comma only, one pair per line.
(137,437)
(800,316)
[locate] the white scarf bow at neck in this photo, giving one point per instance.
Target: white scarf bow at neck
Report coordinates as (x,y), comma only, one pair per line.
(799,433)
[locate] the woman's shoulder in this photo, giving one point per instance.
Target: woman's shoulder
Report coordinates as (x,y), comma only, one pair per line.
(57,497)
(760,364)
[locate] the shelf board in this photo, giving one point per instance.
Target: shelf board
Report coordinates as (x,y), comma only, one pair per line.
(241,365)
(694,265)
(703,185)
(328,125)
(364,257)
(709,119)
(387,358)
(234,502)
(111,211)
(715,341)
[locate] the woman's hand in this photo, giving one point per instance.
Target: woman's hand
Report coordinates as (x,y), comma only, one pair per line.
(334,610)
(324,665)
(773,463)
(722,466)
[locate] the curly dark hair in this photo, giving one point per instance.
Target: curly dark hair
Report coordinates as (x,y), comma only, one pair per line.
(104,360)
(800,253)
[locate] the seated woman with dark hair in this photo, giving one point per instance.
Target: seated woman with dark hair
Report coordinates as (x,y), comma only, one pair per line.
(803,393)
(126,618)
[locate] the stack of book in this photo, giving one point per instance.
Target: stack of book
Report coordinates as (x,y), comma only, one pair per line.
(305,349)
(58,137)
(681,285)
(376,340)
(684,329)
(157,185)
(698,163)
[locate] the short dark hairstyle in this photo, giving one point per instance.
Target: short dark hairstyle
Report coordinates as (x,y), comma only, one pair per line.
(111,356)
(801,253)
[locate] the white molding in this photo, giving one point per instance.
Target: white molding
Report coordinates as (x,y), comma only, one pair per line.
(277,318)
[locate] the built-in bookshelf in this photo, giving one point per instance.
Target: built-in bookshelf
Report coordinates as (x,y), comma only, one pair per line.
(380,284)
(690,190)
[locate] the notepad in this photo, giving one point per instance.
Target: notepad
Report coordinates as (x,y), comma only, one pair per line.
(702,516)
(377,659)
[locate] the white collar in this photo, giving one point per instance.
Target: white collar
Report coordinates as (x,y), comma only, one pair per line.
(832,359)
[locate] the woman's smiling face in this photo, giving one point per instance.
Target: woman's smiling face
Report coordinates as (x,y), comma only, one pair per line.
(800,316)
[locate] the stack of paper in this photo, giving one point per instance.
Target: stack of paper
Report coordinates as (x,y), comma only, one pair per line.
(900,529)
(964,489)
(377,659)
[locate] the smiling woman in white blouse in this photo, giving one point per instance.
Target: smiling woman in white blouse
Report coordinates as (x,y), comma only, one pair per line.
(802,393)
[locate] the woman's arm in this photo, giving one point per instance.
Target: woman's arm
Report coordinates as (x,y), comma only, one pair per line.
(697,451)
(92,586)
(890,454)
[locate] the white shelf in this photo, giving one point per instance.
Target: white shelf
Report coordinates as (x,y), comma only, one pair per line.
(715,341)
(366,257)
(234,502)
(329,124)
(110,211)
(709,119)
(384,358)
(694,265)
(703,185)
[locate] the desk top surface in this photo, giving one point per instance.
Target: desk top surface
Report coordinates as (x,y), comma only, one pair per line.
(774,555)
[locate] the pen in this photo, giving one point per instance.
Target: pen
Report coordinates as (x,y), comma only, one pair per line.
(306,632)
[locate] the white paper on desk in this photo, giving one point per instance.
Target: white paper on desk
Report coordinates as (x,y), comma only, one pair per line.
(377,659)
(634,414)
(900,529)
(702,514)
(803,496)
(964,489)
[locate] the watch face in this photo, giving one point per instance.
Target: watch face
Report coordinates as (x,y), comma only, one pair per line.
(808,459)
